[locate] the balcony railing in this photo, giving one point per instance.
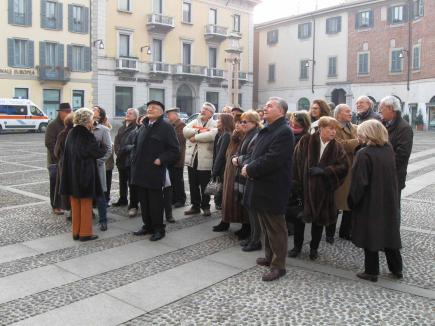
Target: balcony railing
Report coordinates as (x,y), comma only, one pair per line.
(160,67)
(159,22)
(127,63)
(54,73)
(215,32)
(215,73)
(191,70)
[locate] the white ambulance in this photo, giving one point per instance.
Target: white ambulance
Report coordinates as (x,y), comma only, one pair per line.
(19,114)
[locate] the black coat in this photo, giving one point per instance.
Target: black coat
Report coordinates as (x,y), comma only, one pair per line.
(158,141)
(79,173)
(368,115)
(219,157)
(401,137)
(374,199)
(121,145)
(269,171)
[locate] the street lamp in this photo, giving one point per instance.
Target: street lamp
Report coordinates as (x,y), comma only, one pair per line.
(99,44)
(146,47)
(307,65)
(402,54)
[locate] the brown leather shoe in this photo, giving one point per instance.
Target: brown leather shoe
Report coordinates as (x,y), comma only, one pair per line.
(263,262)
(273,274)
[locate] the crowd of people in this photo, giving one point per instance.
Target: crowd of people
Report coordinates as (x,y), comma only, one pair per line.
(270,170)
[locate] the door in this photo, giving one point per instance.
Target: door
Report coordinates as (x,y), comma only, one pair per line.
(158,6)
(185,99)
(212,17)
(186,57)
(51,98)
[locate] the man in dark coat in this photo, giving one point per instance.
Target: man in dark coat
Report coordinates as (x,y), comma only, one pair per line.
(268,185)
(400,136)
(176,170)
(364,109)
(122,155)
(156,148)
(53,130)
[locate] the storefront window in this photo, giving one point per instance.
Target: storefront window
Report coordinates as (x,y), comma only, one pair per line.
(123,100)
(51,102)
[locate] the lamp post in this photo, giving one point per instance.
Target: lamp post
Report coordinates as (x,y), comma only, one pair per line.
(402,56)
(98,44)
(234,50)
(307,64)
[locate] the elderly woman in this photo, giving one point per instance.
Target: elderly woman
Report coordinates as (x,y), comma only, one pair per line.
(374,201)
(318,109)
(80,178)
(251,125)
(319,167)
(346,135)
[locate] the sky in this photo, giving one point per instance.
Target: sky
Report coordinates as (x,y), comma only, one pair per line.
(273,9)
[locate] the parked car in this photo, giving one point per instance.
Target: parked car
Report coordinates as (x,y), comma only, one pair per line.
(20,114)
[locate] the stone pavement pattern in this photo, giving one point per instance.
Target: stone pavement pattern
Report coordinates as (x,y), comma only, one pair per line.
(194,276)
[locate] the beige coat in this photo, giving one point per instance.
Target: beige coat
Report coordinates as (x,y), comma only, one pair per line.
(203,145)
(347,137)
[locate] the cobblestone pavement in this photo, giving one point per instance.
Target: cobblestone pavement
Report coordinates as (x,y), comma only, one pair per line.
(194,276)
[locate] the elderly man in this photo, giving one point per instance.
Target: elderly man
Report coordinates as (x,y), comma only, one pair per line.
(364,109)
(156,148)
(176,171)
(346,136)
(400,136)
(200,134)
(51,134)
(122,151)
(268,185)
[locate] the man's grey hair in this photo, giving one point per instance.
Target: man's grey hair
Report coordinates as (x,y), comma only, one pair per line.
(210,106)
(393,102)
(281,103)
(339,108)
(367,99)
(135,111)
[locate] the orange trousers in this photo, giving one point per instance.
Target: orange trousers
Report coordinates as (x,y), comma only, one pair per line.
(81,211)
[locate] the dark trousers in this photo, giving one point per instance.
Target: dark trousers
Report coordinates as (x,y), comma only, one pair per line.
(316,234)
(108,184)
(124,181)
(167,198)
(198,180)
(275,238)
(345,226)
(151,204)
(371,261)
(177,182)
(54,197)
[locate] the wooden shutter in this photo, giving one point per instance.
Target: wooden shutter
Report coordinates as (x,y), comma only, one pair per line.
(70,19)
(41,55)
(357,20)
(11,19)
(11,61)
(59,16)
(31,53)
(88,59)
(43,14)
(28,13)
(85,20)
(390,15)
(69,56)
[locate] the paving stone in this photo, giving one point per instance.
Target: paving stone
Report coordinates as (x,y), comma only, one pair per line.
(11,167)
(9,198)
(42,189)
(427,193)
(420,172)
(19,178)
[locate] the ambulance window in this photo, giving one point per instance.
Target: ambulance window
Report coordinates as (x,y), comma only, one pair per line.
(3,109)
(35,111)
(17,110)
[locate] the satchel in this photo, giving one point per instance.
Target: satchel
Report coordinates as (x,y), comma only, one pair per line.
(213,187)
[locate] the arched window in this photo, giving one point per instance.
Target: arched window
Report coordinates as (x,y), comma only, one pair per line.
(432,100)
(304,104)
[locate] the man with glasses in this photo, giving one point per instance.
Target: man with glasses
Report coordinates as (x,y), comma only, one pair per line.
(364,109)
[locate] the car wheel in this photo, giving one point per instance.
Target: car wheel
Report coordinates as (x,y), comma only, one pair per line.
(42,127)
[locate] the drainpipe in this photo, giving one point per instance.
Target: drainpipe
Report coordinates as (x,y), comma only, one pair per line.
(314,54)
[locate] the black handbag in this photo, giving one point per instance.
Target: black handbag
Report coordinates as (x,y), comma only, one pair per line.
(295,209)
(213,187)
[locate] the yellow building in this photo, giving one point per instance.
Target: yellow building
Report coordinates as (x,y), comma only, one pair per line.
(45,52)
(174,51)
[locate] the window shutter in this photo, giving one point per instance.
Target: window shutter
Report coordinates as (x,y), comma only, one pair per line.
(85,20)
(69,56)
(338,24)
(10,52)
(60,60)
(390,15)
(371,18)
(59,16)
(88,58)
(309,29)
(328,26)
(357,20)
(299,31)
(11,12)
(41,55)
(420,8)
(28,11)
(31,53)
(43,14)
(405,13)
(70,19)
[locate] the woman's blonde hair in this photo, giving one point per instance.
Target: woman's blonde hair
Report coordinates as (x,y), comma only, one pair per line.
(82,117)
(372,133)
(328,122)
(252,116)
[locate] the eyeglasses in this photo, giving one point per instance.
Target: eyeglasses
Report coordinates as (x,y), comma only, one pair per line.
(244,122)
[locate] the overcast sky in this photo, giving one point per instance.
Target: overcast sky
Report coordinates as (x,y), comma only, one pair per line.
(273,9)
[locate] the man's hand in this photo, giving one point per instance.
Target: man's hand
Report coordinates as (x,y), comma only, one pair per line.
(192,139)
(157,162)
(244,172)
(234,161)
(203,130)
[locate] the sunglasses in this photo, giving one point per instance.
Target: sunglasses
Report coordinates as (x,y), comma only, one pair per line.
(244,122)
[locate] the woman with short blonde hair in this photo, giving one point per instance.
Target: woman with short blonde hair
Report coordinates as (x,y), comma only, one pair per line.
(252,116)
(372,133)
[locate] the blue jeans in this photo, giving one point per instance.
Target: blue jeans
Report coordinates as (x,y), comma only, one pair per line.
(102,209)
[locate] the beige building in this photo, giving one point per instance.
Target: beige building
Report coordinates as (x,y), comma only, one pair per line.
(175,51)
(45,52)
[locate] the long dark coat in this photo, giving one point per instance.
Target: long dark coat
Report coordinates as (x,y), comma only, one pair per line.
(53,129)
(121,140)
(61,201)
(79,172)
(318,191)
(179,126)
(269,171)
(374,199)
(219,154)
(401,137)
(157,141)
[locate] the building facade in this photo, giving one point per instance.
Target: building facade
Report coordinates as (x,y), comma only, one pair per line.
(376,48)
(178,52)
(46,53)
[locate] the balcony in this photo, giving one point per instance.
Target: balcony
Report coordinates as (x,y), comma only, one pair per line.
(214,33)
(215,73)
(190,70)
(159,68)
(56,74)
(127,64)
(159,23)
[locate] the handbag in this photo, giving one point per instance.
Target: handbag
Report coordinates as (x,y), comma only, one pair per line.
(213,187)
(295,209)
